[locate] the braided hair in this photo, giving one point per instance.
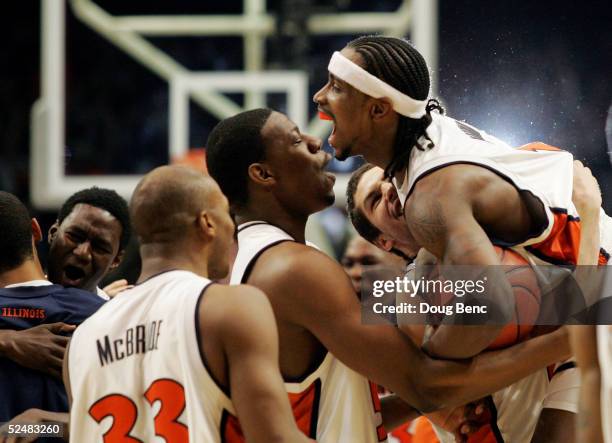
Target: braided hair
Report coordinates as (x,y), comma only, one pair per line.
(399,64)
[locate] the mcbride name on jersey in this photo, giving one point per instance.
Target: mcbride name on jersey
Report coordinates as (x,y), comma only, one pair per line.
(136,340)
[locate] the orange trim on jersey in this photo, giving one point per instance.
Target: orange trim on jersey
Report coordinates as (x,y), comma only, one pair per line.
(424,432)
(402,434)
(561,246)
(231,432)
(380,429)
(604,257)
(538,146)
(305,407)
(555,250)
(483,435)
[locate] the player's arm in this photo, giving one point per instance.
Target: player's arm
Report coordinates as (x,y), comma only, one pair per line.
(584,344)
(395,412)
(324,303)
(40,347)
(66,376)
(587,199)
(557,424)
(249,340)
(442,216)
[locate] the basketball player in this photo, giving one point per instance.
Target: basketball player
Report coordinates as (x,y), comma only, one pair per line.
(360,254)
(274,178)
(450,176)
(29,301)
(368,198)
(86,242)
(88,239)
(450,187)
(165,357)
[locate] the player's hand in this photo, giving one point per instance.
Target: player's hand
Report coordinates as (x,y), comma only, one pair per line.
(116,287)
(40,347)
(462,421)
(586,194)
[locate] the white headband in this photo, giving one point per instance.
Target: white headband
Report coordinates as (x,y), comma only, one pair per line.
(371,85)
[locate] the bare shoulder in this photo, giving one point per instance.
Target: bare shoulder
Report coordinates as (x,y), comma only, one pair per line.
(304,284)
(225,299)
(292,264)
(453,186)
(225,306)
(456,179)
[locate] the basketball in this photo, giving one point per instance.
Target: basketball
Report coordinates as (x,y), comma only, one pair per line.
(526,290)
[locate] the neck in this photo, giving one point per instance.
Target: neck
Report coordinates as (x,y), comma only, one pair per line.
(379,150)
(27,271)
(161,257)
(293,225)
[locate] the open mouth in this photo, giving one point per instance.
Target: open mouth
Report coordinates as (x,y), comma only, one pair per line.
(324,116)
(73,275)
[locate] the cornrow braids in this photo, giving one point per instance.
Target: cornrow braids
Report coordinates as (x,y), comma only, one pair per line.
(399,64)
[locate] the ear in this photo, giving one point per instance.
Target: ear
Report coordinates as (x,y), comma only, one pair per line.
(385,243)
(52,232)
(261,174)
(206,225)
(380,108)
(117,260)
(36,231)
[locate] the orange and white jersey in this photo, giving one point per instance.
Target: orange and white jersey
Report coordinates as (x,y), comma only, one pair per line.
(331,404)
(604,352)
(538,169)
(136,371)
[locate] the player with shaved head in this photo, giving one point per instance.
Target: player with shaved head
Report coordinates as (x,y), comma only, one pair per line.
(176,356)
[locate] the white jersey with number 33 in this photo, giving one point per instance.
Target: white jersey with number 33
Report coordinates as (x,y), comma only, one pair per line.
(136,371)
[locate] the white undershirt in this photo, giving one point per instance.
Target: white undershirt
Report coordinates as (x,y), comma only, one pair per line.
(30,283)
